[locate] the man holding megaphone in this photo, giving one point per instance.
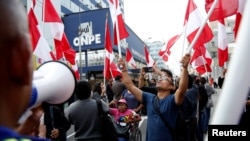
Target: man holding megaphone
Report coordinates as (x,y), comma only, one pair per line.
(16,72)
(17,85)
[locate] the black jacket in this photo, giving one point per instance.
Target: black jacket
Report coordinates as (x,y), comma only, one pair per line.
(57,121)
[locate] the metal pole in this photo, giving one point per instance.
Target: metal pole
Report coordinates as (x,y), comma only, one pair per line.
(80,51)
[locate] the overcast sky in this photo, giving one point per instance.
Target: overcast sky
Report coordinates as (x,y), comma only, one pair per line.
(160,20)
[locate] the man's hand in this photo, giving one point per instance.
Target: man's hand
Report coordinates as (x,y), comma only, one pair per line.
(31,125)
(185,60)
(54,133)
(122,64)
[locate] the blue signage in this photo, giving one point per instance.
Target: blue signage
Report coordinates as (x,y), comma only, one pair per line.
(87,29)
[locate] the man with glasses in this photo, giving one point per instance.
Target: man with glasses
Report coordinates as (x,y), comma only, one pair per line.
(168,103)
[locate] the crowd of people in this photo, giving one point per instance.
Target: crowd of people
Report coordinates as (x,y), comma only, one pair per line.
(123,98)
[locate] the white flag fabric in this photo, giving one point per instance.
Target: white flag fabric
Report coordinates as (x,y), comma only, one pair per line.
(40,46)
(53,18)
(193,21)
(117,20)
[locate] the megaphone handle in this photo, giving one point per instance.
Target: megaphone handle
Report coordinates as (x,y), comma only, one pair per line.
(25,116)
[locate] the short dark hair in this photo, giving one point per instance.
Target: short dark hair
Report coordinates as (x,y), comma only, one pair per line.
(83,90)
(203,80)
(97,87)
(118,77)
(170,74)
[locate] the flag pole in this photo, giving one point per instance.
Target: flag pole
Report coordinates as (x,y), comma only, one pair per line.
(236,86)
(104,55)
(189,49)
(117,32)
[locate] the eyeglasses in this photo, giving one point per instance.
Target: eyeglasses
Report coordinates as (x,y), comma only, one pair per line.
(169,79)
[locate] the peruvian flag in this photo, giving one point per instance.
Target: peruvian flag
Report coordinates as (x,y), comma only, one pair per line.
(149,60)
(239,15)
(193,21)
(70,57)
(63,50)
(117,20)
(110,68)
(223,9)
(53,18)
(165,50)
(222,43)
(62,46)
(130,59)
(40,47)
(201,60)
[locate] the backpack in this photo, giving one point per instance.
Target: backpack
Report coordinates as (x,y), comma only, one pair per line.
(108,130)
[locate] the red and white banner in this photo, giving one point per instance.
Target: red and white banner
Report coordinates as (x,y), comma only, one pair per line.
(193,21)
(52,17)
(239,15)
(165,50)
(40,46)
(117,20)
(201,60)
(110,68)
(149,60)
(223,9)
(129,59)
(222,43)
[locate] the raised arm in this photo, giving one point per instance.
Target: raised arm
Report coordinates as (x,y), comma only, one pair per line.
(126,79)
(183,83)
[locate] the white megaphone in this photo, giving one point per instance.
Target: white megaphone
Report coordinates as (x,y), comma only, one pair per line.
(53,82)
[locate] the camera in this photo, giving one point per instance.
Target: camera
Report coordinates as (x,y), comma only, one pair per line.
(148,69)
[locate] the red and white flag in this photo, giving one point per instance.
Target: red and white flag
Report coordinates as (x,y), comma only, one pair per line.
(52,17)
(62,46)
(117,20)
(130,59)
(63,50)
(70,57)
(193,21)
(239,15)
(201,60)
(165,50)
(223,9)
(110,68)
(40,46)
(149,60)
(222,43)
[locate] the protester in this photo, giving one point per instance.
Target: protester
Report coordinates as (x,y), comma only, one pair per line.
(132,102)
(16,74)
(245,117)
(207,109)
(109,91)
(169,104)
(118,87)
(221,78)
(188,113)
(83,114)
(99,92)
(123,114)
(55,122)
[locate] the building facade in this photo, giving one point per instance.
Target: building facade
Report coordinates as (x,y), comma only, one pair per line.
(89,16)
